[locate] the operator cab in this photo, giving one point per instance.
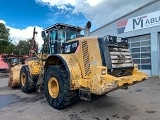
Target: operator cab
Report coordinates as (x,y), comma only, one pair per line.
(57,34)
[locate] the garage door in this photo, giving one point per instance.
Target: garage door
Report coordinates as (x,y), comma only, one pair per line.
(140,47)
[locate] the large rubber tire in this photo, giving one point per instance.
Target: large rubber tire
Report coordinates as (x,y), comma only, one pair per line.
(26,83)
(64,97)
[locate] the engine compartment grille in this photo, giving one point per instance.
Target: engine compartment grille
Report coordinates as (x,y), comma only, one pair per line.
(120,57)
(121,60)
(116,56)
(85,56)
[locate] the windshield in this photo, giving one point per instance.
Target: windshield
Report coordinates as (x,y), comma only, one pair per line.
(57,38)
(62,36)
(71,35)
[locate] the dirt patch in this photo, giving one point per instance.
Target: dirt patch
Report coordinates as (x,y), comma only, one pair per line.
(126,117)
(74,117)
(115,116)
(150,111)
(103,104)
(96,118)
(139,90)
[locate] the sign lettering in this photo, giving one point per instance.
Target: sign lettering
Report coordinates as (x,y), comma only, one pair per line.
(139,22)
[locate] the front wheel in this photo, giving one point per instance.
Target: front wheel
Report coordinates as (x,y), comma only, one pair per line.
(26,83)
(56,88)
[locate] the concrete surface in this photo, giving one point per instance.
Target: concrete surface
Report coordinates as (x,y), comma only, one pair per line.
(139,102)
(4,75)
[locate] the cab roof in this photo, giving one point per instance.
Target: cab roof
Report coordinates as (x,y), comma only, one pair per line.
(63,26)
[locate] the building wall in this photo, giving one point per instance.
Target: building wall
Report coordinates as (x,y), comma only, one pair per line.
(111,29)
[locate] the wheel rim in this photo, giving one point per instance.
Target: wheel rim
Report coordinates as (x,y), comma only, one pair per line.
(23,79)
(53,87)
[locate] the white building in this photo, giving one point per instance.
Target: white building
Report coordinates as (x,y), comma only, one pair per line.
(142,28)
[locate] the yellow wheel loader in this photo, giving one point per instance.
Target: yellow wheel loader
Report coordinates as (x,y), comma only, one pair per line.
(29,76)
(88,65)
(82,67)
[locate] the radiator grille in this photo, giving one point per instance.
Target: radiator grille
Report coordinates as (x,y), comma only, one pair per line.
(120,57)
(86,61)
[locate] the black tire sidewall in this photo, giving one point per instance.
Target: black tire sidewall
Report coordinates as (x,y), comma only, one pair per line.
(55,102)
(24,88)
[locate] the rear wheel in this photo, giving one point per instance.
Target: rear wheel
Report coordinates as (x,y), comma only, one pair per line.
(53,87)
(26,83)
(56,88)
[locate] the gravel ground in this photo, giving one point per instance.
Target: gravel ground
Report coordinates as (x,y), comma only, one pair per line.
(139,102)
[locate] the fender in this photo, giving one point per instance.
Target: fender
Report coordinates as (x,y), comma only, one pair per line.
(71,65)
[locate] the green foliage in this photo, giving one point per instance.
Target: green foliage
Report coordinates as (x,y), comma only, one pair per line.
(4,32)
(23,47)
(5,43)
(6,47)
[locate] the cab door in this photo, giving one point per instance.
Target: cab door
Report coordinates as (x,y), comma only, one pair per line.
(56,40)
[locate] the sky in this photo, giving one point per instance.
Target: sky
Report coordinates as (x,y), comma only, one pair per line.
(20,16)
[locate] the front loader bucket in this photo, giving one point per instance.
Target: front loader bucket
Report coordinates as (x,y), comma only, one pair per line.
(131,80)
(108,83)
(136,77)
(14,78)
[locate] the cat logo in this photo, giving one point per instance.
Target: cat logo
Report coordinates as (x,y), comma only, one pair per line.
(121,58)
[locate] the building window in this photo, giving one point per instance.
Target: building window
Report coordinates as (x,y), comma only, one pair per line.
(140,47)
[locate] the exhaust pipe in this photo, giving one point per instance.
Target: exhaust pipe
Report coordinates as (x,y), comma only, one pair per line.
(87,29)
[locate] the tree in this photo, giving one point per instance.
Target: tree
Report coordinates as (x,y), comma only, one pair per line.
(23,47)
(4,32)
(5,43)
(6,46)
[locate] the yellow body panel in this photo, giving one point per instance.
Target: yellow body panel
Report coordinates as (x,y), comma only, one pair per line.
(74,68)
(34,66)
(87,72)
